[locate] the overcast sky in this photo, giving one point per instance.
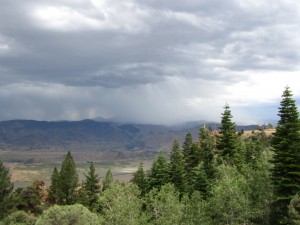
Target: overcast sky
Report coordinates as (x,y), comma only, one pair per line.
(147,61)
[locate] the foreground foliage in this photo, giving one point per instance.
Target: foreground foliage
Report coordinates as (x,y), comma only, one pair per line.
(70,214)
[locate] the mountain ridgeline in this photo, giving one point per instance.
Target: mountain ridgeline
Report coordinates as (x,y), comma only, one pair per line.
(93,135)
(41,133)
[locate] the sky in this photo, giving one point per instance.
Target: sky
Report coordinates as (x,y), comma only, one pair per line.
(148,61)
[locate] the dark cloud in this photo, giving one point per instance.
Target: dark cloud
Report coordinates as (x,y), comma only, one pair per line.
(143,60)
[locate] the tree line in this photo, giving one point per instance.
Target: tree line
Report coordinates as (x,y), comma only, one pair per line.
(223,177)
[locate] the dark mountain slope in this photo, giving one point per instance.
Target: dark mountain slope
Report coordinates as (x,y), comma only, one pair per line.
(97,135)
(105,135)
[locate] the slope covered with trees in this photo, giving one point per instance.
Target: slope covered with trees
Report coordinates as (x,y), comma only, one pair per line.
(221,178)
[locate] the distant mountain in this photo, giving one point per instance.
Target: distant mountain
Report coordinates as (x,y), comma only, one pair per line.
(93,135)
(100,135)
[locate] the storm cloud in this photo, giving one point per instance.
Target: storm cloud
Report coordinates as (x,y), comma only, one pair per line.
(147,61)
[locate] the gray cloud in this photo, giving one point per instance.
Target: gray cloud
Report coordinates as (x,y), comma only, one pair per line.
(143,60)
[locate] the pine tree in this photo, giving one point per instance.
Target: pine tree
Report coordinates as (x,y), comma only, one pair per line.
(91,185)
(191,153)
(53,189)
(108,180)
(228,137)
(187,145)
(139,179)
(6,188)
(286,144)
(159,172)
(207,151)
(68,181)
(200,180)
(193,159)
(177,171)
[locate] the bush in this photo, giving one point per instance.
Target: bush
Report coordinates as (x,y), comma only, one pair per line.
(19,218)
(64,215)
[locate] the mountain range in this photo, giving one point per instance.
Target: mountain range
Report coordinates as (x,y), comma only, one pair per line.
(111,139)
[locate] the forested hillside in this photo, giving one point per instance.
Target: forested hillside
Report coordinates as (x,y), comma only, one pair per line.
(223,177)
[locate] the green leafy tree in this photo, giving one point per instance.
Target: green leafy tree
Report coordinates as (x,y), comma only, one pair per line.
(286,145)
(294,210)
(121,205)
(6,188)
(262,138)
(253,151)
(177,170)
(159,172)
(68,214)
(54,187)
(68,181)
(28,199)
(241,195)
(227,138)
(19,218)
(196,210)
(82,197)
(259,189)
(163,206)
(230,202)
(139,178)
(91,185)
(108,180)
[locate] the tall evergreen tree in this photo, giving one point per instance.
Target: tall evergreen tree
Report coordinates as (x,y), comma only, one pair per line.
(194,158)
(91,185)
(53,189)
(207,151)
(227,139)
(177,171)
(6,188)
(199,180)
(286,144)
(191,155)
(187,145)
(159,172)
(108,180)
(68,181)
(140,179)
